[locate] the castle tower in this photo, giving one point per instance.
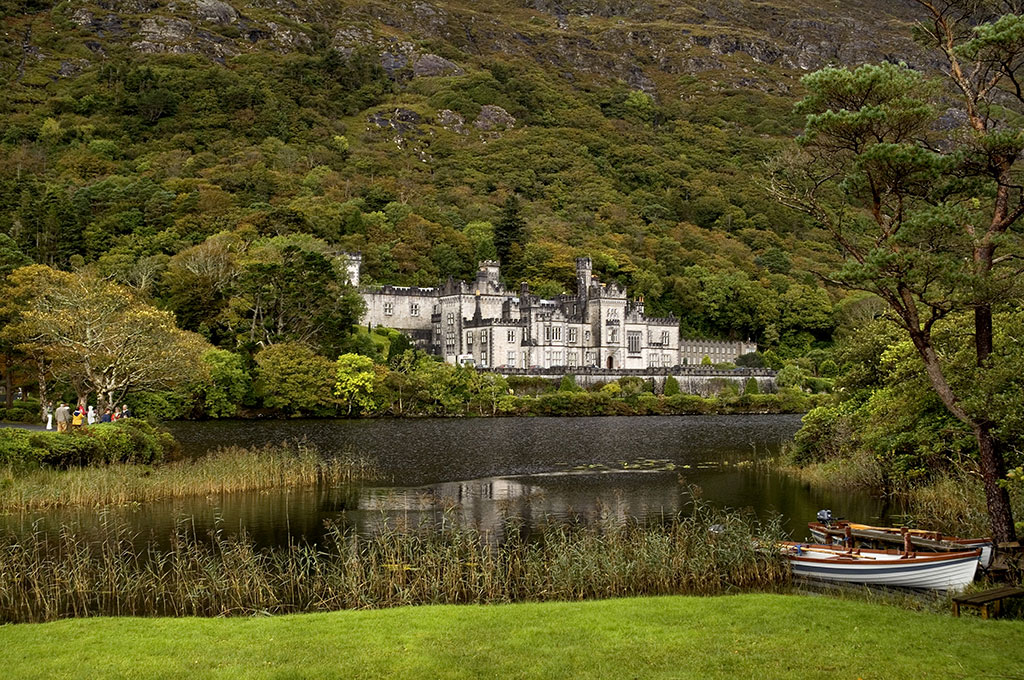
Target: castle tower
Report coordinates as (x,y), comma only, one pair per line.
(584,273)
(353,266)
(489,271)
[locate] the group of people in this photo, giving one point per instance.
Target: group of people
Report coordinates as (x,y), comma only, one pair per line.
(82,416)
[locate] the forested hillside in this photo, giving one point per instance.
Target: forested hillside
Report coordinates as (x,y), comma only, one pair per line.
(195,149)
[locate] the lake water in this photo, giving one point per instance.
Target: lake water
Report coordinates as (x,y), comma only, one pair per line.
(485,470)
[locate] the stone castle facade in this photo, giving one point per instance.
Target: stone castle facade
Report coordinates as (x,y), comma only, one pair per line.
(482,323)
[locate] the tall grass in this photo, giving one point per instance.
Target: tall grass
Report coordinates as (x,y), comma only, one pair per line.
(49,577)
(954,505)
(950,503)
(226,470)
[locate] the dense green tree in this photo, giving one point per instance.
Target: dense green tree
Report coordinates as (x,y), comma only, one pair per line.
(294,378)
(510,236)
(227,386)
(921,211)
(287,293)
(356,382)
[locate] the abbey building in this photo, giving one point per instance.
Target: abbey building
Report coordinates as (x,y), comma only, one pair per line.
(482,323)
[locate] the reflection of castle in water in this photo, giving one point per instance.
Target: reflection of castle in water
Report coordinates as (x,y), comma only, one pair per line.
(488,504)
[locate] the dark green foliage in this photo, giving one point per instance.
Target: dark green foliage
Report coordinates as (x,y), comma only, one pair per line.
(568,384)
(671,387)
(510,236)
(751,387)
(126,441)
(752,360)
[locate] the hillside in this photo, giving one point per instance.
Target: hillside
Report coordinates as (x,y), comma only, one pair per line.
(635,132)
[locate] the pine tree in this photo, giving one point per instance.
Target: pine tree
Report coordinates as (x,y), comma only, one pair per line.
(510,235)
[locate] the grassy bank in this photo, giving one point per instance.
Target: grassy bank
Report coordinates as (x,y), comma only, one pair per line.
(227,470)
(743,636)
(49,577)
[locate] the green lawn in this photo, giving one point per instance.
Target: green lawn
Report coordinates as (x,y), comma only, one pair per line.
(742,636)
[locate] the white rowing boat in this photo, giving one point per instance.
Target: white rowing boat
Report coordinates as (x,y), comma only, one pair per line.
(935,571)
(920,539)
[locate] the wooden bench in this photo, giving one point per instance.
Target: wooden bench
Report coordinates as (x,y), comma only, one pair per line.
(989,602)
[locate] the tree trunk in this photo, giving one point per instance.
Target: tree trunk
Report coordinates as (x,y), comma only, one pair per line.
(993,469)
(983,332)
(43,392)
(8,382)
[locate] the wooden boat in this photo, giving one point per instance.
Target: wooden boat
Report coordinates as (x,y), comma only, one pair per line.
(935,571)
(920,539)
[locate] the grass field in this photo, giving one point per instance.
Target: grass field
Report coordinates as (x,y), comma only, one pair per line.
(741,636)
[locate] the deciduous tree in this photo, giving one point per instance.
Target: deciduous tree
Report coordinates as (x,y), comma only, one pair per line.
(98,335)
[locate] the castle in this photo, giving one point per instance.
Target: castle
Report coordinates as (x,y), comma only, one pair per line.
(483,324)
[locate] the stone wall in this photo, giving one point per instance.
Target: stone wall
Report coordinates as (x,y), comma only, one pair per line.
(692,380)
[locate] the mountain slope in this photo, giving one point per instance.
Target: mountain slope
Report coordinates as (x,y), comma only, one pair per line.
(632,131)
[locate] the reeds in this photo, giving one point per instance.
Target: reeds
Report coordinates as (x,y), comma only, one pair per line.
(954,505)
(226,470)
(44,578)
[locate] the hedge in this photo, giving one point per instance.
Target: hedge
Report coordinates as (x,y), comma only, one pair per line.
(126,441)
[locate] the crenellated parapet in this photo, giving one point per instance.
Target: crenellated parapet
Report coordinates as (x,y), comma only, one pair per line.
(400,290)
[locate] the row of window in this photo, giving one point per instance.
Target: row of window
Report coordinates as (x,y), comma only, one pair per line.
(710,351)
(414,308)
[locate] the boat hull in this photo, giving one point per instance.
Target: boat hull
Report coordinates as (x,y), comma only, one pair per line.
(934,571)
(984,544)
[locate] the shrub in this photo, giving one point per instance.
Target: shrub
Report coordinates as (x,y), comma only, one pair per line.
(568,384)
(671,387)
(125,441)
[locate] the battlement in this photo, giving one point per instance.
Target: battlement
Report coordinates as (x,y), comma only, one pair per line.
(400,290)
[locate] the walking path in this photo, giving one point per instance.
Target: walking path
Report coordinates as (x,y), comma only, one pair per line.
(24,426)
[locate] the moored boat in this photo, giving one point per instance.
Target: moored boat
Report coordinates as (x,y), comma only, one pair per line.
(936,571)
(827,530)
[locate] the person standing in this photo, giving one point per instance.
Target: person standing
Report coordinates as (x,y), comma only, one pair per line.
(91,416)
(63,415)
(49,416)
(78,418)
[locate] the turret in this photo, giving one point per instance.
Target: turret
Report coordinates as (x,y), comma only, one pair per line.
(353,265)
(584,274)
(489,271)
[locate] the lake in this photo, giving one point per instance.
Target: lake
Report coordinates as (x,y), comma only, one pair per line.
(486,470)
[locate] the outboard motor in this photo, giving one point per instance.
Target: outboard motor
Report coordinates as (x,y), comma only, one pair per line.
(825,517)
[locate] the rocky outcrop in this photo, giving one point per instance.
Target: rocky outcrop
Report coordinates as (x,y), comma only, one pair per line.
(72,67)
(450,120)
(433,65)
(213,11)
(629,40)
(178,36)
(493,117)
(165,29)
(400,120)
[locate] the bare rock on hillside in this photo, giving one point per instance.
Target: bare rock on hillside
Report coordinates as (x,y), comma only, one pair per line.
(164,29)
(209,10)
(494,118)
(451,120)
(72,67)
(433,65)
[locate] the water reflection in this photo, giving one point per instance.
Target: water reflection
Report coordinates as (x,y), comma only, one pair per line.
(279,517)
(529,470)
